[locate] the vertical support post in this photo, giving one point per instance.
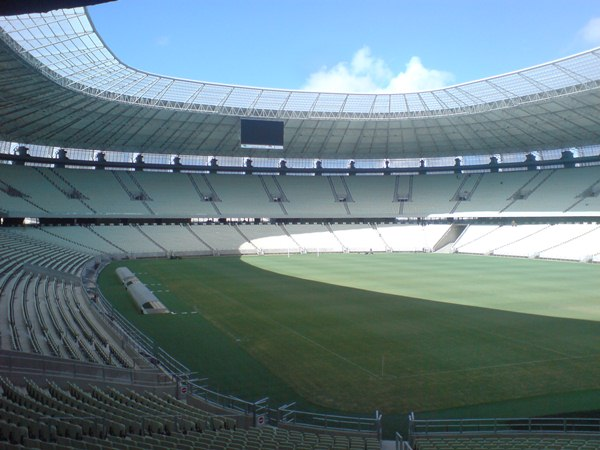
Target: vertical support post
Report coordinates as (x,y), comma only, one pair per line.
(378,425)
(411,428)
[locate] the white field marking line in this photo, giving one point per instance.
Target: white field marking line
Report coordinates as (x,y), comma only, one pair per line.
(291,330)
(327,350)
(495,366)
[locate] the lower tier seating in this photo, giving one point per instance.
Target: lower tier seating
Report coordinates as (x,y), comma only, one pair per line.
(73,417)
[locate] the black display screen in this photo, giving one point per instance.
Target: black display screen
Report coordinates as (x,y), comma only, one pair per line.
(261,134)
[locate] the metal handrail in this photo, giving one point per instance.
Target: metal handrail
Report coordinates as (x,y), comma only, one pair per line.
(401,444)
(285,414)
(559,425)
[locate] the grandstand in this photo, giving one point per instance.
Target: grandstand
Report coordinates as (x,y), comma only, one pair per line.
(75,372)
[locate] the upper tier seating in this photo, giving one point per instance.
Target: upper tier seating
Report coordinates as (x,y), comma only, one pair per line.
(43,192)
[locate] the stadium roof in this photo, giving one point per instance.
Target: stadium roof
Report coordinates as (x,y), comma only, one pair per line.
(60,85)
(12,7)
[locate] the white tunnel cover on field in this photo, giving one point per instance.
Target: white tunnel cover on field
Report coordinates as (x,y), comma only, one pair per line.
(144,299)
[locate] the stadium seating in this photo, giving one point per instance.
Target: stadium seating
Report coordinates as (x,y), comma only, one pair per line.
(268,239)
(359,238)
(37,189)
(102,190)
(106,193)
(44,310)
(223,239)
(557,192)
(177,240)
(373,196)
(49,314)
(62,87)
(582,244)
(243,196)
(79,238)
(412,238)
(129,239)
(499,237)
(493,192)
(70,417)
(163,188)
(545,238)
(432,194)
(314,198)
(314,237)
(577,242)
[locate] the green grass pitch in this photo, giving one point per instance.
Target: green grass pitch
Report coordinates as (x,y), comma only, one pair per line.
(441,335)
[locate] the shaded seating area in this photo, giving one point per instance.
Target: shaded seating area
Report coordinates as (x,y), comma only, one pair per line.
(69,417)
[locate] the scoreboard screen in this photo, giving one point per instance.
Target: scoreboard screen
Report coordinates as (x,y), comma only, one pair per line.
(261,134)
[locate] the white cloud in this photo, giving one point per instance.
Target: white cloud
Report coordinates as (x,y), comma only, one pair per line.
(417,77)
(590,33)
(366,73)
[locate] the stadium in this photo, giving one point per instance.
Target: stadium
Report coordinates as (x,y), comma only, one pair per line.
(198,265)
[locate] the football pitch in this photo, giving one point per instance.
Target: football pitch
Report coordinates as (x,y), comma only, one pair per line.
(441,335)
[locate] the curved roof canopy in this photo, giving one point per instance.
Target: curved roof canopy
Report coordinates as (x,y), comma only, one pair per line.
(61,85)
(13,7)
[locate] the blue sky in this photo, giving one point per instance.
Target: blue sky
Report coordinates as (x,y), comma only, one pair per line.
(345,45)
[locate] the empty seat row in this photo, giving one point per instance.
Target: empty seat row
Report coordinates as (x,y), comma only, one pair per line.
(52,416)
